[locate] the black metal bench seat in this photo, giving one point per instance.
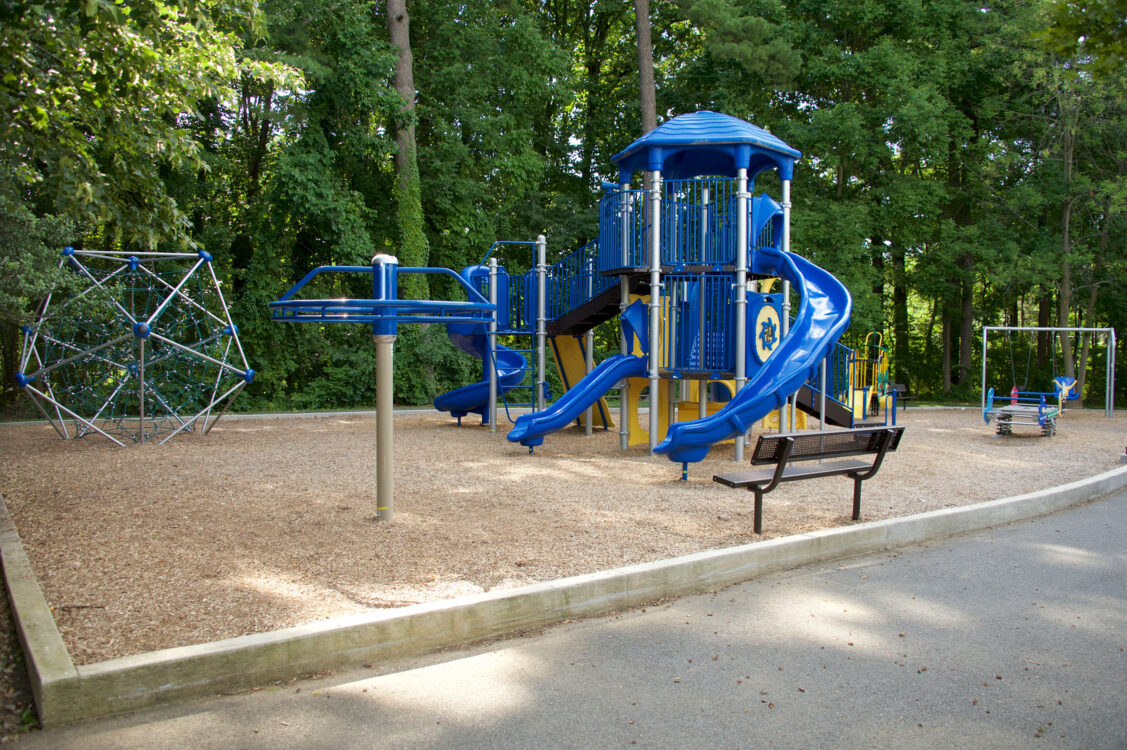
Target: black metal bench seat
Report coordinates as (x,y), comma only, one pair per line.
(781,450)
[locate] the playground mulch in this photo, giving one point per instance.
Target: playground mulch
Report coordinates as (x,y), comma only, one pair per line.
(268,523)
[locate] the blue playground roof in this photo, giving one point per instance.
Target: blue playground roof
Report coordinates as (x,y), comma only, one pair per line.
(706,143)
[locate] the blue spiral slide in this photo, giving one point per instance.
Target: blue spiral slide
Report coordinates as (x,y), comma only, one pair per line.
(474,398)
(822,317)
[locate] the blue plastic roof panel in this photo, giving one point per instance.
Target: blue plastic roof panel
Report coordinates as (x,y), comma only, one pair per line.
(707,143)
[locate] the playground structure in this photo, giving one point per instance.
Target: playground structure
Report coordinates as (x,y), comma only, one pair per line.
(681,265)
(384,311)
(673,263)
(1027,407)
(145,351)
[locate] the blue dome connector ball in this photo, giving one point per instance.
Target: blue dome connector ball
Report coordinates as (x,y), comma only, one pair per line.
(22,380)
(141,330)
(205,256)
(68,252)
(249,375)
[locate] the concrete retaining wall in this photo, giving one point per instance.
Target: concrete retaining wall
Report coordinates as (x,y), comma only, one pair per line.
(66,693)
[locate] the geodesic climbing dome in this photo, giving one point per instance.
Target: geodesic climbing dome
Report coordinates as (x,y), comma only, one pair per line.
(147,349)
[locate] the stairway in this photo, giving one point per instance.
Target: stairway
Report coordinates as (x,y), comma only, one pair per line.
(600,308)
(807,399)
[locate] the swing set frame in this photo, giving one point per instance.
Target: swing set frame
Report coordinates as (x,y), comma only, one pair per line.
(1109,399)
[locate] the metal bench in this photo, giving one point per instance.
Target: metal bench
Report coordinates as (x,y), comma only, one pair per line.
(782,450)
(902,395)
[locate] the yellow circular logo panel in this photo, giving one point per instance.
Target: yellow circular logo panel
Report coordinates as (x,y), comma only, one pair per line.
(767,332)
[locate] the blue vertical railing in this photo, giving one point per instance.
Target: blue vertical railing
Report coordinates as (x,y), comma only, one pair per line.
(697,334)
(623,215)
(574,280)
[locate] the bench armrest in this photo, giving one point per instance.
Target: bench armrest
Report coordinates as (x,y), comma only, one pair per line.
(885,440)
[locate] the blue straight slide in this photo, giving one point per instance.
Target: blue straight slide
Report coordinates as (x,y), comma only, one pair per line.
(822,317)
(474,398)
(531,428)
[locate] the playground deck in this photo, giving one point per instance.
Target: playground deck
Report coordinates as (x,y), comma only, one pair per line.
(265,523)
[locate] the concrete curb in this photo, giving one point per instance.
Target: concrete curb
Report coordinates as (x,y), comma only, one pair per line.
(66,693)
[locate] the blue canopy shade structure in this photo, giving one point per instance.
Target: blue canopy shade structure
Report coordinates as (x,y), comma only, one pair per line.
(706,143)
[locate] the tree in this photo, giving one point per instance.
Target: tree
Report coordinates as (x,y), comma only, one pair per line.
(648,96)
(1090,30)
(413,248)
(93,96)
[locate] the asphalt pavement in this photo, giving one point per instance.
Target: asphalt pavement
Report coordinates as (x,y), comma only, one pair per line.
(1012,637)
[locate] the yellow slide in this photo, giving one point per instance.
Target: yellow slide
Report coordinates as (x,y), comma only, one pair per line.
(572,365)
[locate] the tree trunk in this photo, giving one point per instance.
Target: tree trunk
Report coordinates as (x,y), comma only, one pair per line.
(1064,302)
(902,343)
(946,349)
(1069,124)
(1044,320)
(966,331)
(9,356)
(646,88)
(413,248)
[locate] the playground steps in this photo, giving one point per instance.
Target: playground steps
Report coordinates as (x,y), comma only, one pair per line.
(837,413)
(600,308)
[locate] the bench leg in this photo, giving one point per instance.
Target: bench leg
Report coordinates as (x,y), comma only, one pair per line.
(856,499)
(758,524)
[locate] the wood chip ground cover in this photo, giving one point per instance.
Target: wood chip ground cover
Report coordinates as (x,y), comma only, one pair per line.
(267,523)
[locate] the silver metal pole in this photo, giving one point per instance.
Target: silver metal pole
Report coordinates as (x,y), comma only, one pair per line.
(1112,356)
(624,302)
(385,430)
(385,286)
(492,355)
(784,414)
(141,387)
(985,336)
(589,346)
(702,330)
(822,399)
(742,197)
(655,301)
(541,318)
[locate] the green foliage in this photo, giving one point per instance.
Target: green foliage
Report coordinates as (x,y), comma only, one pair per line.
(30,251)
(93,95)
(1090,29)
(964,163)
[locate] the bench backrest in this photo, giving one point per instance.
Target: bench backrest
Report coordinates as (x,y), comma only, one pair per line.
(828,444)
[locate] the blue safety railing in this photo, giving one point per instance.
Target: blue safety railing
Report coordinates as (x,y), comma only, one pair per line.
(623,230)
(698,326)
(688,208)
(574,280)
(475,309)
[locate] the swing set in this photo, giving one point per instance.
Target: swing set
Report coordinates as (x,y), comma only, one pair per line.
(1028,407)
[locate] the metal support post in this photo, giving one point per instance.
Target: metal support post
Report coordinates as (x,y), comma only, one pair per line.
(1109,405)
(141,387)
(588,347)
(385,286)
(623,303)
(985,337)
(492,356)
(822,400)
(385,430)
(541,318)
(742,197)
(655,302)
(784,414)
